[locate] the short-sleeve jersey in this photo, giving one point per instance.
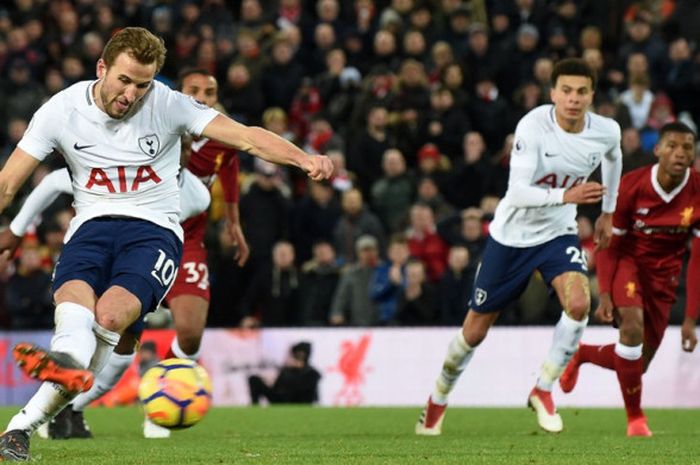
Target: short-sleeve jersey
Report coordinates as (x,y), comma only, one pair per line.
(119,167)
(211,159)
(557,160)
(656,224)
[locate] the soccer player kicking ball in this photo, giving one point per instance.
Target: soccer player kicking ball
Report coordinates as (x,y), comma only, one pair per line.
(556,148)
(658,212)
(120,135)
(188,298)
(69,423)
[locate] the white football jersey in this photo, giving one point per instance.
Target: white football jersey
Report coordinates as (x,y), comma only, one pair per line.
(544,162)
(119,167)
(194,198)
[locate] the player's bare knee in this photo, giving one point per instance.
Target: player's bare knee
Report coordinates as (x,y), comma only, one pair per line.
(77,292)
(577,307)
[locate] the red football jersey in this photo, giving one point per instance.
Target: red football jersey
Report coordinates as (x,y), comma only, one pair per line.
(210,159)
(655,225)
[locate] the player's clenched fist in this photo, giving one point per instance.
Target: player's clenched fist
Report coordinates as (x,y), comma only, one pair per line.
(318,167)
(588,192)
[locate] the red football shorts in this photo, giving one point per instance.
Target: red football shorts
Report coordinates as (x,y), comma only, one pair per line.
(650,291)
(193,275)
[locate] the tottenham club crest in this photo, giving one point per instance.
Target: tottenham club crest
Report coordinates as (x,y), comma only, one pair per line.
(480,296)
(150,145)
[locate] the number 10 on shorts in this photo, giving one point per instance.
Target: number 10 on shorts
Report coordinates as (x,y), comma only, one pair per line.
(164,270)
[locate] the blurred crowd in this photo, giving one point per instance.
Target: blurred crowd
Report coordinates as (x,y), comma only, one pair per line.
(415,101)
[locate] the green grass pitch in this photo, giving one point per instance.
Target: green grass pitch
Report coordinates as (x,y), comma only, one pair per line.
(312,435)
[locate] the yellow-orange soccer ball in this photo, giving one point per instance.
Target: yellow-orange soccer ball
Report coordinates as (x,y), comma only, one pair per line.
(176,393)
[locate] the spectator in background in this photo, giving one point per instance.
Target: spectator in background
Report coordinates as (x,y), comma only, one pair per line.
(264,211)
(389,278)
(471,175)
(453,78)
(296,382)
(20,94)
(275,119)
(28,296)
(272,298)
(356,220)
(15,131)
(417,305)
(490,112)
(319,279)
(241,96)
(341,104)
(351,302)
(681,85)
(643,40)
(424,242)
(660,113)
(314,218)
(465,229)
(456,286)
(394,192)
(441,57)
(456,30)
(414,46)
(321,137)
(633,155)
(306,104)
(428,193)
(447,123)
(433,163)
(342,179)
(638,99)
(410,107)
(365,154)
(480,57)
(282,77)
(250,54)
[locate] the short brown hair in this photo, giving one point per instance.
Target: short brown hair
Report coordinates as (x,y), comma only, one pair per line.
(573,67)
(141,44)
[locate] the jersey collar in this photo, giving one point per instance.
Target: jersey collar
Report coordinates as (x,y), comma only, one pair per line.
(667,196)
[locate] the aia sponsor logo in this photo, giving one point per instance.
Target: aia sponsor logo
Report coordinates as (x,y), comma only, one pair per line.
(117,179)
(351,366)
(554,181)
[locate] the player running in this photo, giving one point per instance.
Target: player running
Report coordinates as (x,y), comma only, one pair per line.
(556,148)
(120,135)
(657,215)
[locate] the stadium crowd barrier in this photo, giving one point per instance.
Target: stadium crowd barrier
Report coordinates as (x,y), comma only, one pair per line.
(397,367)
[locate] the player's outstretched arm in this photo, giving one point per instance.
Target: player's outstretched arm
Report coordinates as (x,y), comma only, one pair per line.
(54,184)
(267,145)
(16,171)
(689,338)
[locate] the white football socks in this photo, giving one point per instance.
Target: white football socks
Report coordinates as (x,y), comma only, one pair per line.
(567,334)
(74,335)
(105,380)
(631,353)
(459,353)
(179,353)
(106,341)
(44,405)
